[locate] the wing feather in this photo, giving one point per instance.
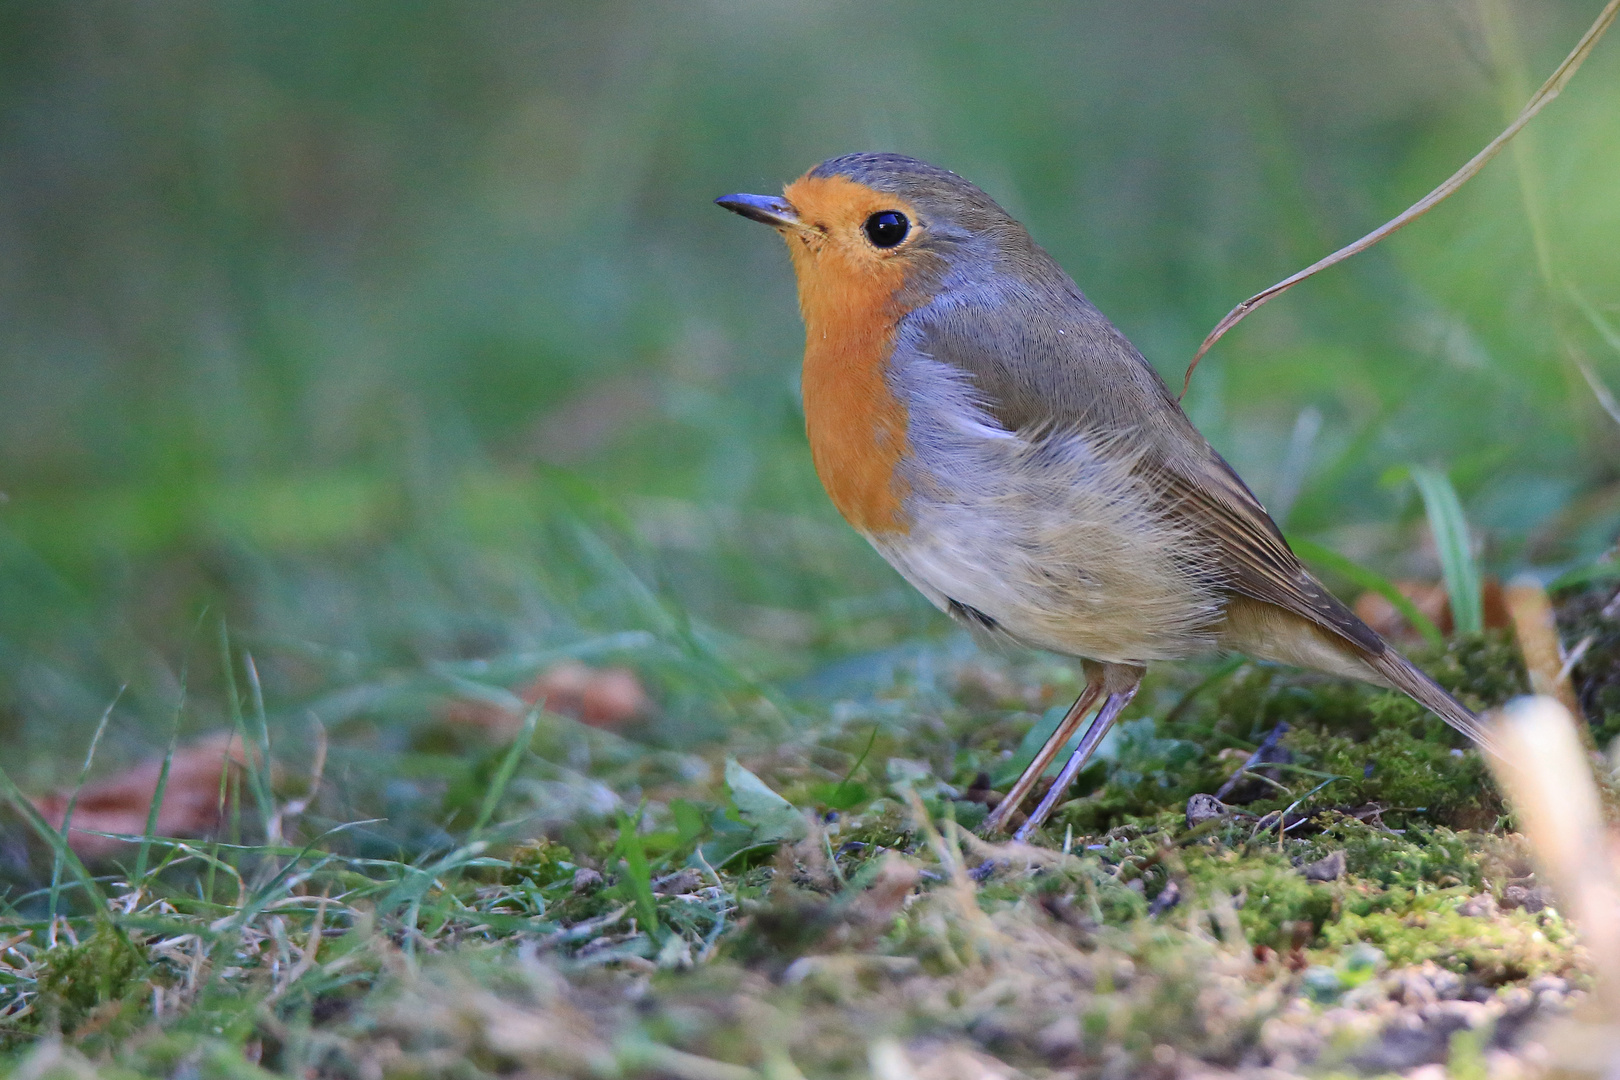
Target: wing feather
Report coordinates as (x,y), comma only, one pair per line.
(1069,368)
(1250,552)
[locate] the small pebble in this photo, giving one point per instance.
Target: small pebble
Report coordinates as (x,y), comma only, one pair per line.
(678,883)
(1202,808)
(1530,898)
(1061,1037)
(586,879)
(1328,868)
(1168,897)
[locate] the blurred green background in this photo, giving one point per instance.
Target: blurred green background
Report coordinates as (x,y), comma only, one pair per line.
(404,334)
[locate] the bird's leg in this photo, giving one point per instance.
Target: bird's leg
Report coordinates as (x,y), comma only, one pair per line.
(1065,730)
(1112,707)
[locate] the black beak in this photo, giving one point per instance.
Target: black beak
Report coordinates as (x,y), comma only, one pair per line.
(772,210)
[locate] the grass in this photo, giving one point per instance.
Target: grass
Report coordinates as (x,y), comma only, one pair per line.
(810,900)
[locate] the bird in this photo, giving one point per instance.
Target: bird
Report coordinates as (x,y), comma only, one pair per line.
(1007,450)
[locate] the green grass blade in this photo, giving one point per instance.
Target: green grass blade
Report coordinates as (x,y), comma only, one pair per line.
(639,873)
(1600,389)
(1457,564)
(233,699)
(144,851)
(73,801)
(1581,575)
(508,766)
(1372,581)
(853,769)
(259,762)
(1603,327)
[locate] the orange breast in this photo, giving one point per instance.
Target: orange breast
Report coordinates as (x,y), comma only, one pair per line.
(857,426)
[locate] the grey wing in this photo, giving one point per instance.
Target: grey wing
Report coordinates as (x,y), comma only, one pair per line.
(1250,551)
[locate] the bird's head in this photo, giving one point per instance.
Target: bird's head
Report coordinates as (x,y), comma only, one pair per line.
(881,230)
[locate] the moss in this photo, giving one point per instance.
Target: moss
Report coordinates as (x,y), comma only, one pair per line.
(1386,876)
(884,824)
(1597,675)
(1115,806)
(1399,767)
(1438,856)
(1492,951)
(1276,905)
(75,981)
(1384,748)
(540,861)
(1481,670)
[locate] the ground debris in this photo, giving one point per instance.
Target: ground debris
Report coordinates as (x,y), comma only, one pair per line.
(1328,868)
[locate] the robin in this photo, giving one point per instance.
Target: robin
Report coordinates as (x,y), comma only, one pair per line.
(1011,454)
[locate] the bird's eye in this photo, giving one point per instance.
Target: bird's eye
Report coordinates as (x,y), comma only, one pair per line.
(886,228)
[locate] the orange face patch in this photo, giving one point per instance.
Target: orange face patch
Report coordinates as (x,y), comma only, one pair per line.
(848,295)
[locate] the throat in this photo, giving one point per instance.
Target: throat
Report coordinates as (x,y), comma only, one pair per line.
(857,426)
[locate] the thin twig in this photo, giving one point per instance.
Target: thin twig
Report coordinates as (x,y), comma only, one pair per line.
(1542,97)
(1261,752)
(1600,390)
(1575,656)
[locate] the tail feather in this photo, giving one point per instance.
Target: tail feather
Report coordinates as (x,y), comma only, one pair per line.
(1404,676)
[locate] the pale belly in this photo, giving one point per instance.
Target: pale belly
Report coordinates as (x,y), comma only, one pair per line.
(1098,603)
(1060,549)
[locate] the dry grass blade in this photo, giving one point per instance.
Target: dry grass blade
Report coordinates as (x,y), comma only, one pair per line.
(1600,389)
(1537,634)
(1549,90)
(1547,777)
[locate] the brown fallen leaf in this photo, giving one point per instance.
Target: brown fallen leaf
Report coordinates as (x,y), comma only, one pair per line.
(120,803)
(602,697)
(1429,597)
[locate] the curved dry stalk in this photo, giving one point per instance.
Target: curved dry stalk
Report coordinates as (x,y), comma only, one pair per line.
(1547,777)
(1542,97)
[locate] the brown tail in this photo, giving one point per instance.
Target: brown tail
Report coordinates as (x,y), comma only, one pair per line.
(1426,692)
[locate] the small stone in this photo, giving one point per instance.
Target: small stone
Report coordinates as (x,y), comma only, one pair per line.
(586,880)
(1168,897)
(1460,1014)
(1364,960)
(678,883)
(1322,984)
(1482,906)
(1529,898)
(1550,991)
(1448,985)
(1412,989)
(1329,868)
(1202,808)
(1060,1038)
(1515,998)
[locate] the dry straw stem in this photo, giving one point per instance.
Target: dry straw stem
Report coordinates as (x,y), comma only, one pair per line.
(1547,778)
(1537,632)
(1549,90)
